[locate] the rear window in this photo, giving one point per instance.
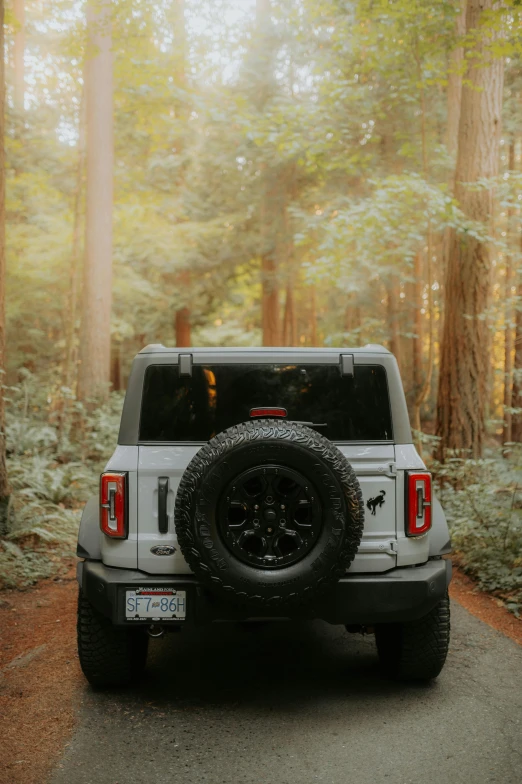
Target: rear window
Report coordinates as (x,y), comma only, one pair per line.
(215,397)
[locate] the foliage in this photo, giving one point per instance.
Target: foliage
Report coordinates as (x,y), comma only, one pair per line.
(52,474)
(483,504)
(314,138)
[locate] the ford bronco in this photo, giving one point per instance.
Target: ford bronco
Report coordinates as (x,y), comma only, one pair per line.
(263,483)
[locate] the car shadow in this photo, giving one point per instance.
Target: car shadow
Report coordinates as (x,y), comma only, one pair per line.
(272,665)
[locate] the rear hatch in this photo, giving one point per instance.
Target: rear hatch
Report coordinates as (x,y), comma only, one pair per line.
(184,405)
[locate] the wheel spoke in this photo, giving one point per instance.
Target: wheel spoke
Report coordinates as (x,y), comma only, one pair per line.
(263,512)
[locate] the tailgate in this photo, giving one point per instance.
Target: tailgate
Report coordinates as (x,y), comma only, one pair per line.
(375,469)
(155,463)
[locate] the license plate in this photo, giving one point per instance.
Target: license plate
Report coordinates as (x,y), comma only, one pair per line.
(155,604)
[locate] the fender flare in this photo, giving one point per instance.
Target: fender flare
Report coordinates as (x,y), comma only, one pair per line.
(89,534)
(440,540)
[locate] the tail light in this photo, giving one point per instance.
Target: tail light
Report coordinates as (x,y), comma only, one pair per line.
(418,502)
(113,505)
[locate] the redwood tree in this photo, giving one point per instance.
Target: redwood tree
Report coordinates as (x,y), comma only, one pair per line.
(4,483)
(269,213)
(182,316)
(18,54)
(95,336)
(462,393)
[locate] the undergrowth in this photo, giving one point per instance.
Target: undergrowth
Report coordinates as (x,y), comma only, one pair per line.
(53,461)
(482,500)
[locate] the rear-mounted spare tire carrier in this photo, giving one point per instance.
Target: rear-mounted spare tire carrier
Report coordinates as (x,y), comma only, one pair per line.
(219,506)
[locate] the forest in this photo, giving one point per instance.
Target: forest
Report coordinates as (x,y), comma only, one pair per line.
(260,172)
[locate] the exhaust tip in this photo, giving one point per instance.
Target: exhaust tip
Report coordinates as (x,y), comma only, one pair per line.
(155,631)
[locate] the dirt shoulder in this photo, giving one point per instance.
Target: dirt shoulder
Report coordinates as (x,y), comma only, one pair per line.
(484,606)
(41,682)
(39,678)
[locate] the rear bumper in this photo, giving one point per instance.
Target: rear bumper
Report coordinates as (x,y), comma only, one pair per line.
(398,595)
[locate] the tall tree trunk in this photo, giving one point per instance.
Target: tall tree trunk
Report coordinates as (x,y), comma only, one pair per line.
(516,399)
(182,323)
(289,329)
(508,319)
(18,55)
(116,367)
(289,320)
(270,301)
(454,90)
(393,292)
(352,318)
(462,394)
(5,490)
(453,102)
(313,316)
(425,387)
(182,316)
(95,342)
(74,268)
(268,214)
(417,325)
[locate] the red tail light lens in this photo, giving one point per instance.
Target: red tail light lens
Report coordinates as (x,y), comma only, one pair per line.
(418,502)
(113,505)
(268,412)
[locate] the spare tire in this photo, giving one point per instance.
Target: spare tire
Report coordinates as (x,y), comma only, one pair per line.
(269,513)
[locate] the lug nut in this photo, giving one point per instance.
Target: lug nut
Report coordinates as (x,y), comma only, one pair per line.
(256,507)
(282,523)
(282,506)
(269,530)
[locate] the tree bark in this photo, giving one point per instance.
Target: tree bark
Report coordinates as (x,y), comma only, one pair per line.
(182,316)
(95,340)
(462,393)
(289,320)
(116,367)
(353,319)
(5,490)
(182,323)
(393,300)
(454,90)
(270,301)
(516,399)
(417,326)
(314,340)
(18,55)
(74,269)
(508,319)
(453,101)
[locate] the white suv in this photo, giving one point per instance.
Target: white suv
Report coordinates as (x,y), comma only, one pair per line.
(263,483)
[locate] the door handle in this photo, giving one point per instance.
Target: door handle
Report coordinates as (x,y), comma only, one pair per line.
(163,518)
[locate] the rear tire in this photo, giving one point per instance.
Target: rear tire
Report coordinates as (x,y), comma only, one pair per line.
(109,656)
(417,650)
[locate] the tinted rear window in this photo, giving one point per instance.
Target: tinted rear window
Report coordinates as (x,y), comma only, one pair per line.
(215,397)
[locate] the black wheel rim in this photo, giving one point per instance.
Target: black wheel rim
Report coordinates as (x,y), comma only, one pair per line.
(270,516)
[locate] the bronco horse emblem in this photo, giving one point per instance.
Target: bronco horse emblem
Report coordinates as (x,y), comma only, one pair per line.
(373,503)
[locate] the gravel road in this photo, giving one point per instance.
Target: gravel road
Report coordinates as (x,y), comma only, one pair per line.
(299,704)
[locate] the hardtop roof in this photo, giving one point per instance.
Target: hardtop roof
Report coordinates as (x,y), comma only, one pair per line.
(159,348)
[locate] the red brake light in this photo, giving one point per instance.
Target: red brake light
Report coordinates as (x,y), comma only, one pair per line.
(113,505)
(418,502)
(268,412)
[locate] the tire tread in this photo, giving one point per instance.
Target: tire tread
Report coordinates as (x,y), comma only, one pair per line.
(109,656)
(249,432)
(416,650)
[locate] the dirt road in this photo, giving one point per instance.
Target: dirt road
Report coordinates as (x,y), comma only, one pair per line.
(276,704)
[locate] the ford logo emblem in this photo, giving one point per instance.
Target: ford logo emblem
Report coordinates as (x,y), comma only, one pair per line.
(163,549)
